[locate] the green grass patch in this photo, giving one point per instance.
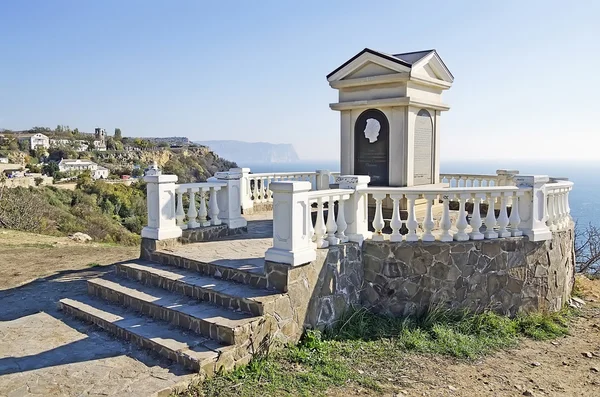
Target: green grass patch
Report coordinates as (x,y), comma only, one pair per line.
(364,349)
(93,264)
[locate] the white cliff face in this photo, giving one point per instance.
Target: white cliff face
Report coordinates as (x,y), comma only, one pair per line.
(253,152)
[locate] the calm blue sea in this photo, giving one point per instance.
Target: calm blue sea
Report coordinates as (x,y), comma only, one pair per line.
(584,199)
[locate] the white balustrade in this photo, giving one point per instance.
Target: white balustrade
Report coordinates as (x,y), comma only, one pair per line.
(174,207)
(202,201)
(420,221)
(557,205)
(523,205)
(255,187)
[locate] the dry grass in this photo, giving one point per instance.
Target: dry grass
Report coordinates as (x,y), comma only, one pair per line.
(26,256)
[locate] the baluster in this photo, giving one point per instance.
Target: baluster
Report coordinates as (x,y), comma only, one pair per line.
(503,217)
(551,214)
(411,220)
(470,181)
(561,206)
(464,181)
(311,229)
(192,213)
(490,218)
(180,213)
(428,222)
(476,218)
(461,222)
(446,222)
(341,222)
(331,224)
(202,213)
(320,226)
(378,223)
(254,189)
(213,206)
(396,222)
(515,218)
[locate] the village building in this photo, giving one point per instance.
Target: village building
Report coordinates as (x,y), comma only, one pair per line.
(100,141)
(77,166)
(36,140)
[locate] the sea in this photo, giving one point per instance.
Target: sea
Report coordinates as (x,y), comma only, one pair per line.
(584,200)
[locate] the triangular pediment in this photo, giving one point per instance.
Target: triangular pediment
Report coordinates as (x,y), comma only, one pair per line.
(432,67)
(368,63)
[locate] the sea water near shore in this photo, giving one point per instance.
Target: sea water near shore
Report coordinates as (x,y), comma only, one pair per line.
(584,199)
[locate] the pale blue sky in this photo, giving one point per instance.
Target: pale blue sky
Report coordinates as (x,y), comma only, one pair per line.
(526,72)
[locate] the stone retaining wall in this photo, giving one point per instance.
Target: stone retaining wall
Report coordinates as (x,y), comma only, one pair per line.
(506,275)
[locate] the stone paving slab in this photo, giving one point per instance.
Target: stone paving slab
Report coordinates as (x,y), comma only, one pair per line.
(44,352)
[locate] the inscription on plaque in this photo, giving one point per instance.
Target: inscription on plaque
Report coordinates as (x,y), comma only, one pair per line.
(423,149)
(371,146)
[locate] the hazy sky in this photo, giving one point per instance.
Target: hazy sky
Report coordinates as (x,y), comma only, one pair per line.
(527,80)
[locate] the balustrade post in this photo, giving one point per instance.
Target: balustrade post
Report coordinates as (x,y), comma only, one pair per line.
(320,229)
(411,220)
(476,221)
(396,222)
(356,209)
(515,218)
(162,223)
(331,222)
(461,222)
(244,190)
(291,218)
(228,197)
(322,179)
(192,212)
(203,213)
(378,223)
(490,218)
(341,220)
(213,206)
(428,222)
(532,206)
(446,222)
(503,220)
(180,212)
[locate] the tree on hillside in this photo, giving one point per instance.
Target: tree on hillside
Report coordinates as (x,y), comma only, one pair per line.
(24,145)
(50,169)
(118,135)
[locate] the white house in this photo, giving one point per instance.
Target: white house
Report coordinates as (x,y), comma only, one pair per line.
(37,140)
(3,160)
(78,145)
(76,166)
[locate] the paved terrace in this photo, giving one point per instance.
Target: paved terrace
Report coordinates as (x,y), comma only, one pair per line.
(45,352)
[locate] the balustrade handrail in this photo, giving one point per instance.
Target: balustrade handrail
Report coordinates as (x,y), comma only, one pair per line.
(477,176)
(317,194)
(195,185)
(438,190)
(559,185)
(282,174)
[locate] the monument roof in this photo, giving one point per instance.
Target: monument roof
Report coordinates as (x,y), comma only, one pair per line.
(407,59)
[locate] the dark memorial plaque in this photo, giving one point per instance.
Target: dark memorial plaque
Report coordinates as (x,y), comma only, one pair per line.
(423,149)
(372,146)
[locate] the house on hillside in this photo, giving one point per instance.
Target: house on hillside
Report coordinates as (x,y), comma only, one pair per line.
(36,140)
(3,160)
(76,166)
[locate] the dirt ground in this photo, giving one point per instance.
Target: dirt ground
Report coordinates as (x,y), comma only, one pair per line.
(568,366)
(27,256)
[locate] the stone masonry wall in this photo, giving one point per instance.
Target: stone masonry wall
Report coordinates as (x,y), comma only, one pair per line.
(506,275)
(321,291)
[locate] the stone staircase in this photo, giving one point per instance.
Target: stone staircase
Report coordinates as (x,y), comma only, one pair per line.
(207,314)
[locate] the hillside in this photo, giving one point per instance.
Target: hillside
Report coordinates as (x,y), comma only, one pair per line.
(253,152)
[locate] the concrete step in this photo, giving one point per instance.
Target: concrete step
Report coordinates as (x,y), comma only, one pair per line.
(222,325)
(223,293)
(189,349)
(241,261)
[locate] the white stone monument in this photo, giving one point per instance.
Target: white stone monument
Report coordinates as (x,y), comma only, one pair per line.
(390,108)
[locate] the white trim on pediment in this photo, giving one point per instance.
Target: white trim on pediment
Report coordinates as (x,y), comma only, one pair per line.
(387,102)
(362,60)
(372,80)
(435,63)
